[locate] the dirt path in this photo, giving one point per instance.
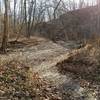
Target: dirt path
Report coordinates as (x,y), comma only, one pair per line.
(43,58)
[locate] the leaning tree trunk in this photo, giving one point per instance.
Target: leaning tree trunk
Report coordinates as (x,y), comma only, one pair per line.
(5,34)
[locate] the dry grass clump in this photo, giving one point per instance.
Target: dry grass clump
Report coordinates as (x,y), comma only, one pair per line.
(18,82)
(84,61)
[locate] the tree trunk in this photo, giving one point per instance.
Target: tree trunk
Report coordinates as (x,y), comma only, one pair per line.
(54,14)
(5,34)
(14,16)
(25,12)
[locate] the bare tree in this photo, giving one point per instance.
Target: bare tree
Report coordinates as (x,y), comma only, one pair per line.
(30,17)
(56,9)
(98,17)
(15,16)
(81,3)
(25,12)
(5,34)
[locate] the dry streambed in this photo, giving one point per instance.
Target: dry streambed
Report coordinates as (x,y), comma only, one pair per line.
(44,58)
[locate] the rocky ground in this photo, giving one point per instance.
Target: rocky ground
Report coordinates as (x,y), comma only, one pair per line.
(40,58)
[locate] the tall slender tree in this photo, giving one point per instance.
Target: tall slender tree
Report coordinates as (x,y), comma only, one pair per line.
(56,8)
(98,17)
(30,9)
(25,12)
(5,34)
(15,16)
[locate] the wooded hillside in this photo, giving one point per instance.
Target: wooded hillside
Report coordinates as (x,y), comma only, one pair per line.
(73,25)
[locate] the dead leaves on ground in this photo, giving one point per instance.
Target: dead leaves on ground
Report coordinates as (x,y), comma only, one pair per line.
(18,82)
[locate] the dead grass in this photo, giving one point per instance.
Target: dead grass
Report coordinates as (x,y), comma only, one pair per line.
(84,61)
